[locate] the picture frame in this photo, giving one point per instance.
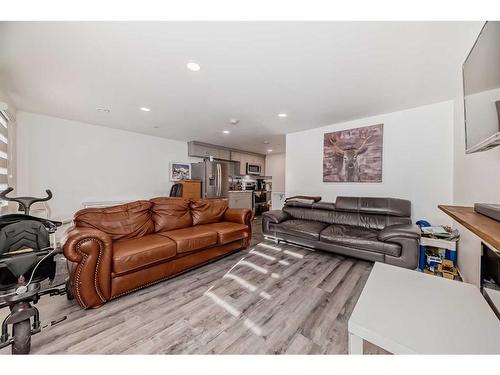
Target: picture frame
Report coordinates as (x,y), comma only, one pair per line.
(180,171)
(354,155)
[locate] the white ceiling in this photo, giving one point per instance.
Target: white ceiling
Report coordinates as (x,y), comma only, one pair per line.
(319,73)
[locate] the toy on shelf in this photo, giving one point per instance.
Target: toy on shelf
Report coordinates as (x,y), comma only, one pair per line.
(438,250)
(443,232)
(448,270)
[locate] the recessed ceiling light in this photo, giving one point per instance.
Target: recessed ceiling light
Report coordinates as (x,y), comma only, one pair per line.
(145,109)
(266,142)
(269,150)
(226,131)
(194,67)
(282,115)
(103,109)
(234,121)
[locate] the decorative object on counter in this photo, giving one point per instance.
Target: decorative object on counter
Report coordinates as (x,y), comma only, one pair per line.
(353,155)
(235,184)
(180,171)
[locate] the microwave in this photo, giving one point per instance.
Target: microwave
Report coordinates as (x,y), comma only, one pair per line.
(254,169)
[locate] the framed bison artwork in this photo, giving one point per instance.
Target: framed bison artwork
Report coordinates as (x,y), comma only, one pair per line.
(353,155)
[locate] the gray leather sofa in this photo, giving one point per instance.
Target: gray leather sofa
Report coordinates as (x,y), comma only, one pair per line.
(375,229)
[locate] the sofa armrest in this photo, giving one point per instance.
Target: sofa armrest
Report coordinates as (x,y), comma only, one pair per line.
(240,216)
(91,250)
(408,237)
(276,216)
(392,233)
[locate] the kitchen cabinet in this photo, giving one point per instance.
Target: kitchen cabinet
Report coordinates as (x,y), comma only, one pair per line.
(240,157)
(205,151)
(240,199)
(245,158)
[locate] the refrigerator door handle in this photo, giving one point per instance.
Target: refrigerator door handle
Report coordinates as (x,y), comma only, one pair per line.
(219,182)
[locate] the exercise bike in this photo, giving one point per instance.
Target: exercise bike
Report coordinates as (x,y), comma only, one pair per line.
(26,259)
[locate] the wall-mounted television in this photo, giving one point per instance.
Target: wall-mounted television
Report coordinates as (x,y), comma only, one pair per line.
(481,78)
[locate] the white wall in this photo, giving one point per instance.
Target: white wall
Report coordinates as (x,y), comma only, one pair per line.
(417,160)
(275,167)
(80,162)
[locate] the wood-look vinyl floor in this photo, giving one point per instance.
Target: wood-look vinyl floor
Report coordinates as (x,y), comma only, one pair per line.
(264,300)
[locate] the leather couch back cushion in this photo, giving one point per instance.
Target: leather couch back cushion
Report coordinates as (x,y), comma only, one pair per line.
(128,220)
(207,211)
(325,216)
(378,206)
(370,221)
(319,205)
(171,213)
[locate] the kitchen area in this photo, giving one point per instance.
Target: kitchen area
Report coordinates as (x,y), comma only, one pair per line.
(236,175)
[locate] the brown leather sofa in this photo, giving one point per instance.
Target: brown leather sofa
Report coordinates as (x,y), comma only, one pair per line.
(375,229)
(117,250)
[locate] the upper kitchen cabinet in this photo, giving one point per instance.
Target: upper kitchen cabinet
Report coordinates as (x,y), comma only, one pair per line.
(238,156)
(245,158)
(204,151)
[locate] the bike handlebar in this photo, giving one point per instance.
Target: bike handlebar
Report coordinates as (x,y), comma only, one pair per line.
(24,202)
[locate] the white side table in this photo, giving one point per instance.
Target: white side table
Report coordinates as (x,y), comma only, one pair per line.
(408,312)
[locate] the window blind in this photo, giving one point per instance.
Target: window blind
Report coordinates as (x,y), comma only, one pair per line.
(4,155)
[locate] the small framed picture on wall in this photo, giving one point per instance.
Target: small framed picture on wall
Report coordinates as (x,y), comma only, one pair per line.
(180,171)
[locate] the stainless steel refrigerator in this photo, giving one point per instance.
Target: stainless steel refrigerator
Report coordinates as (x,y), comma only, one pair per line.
(214,176)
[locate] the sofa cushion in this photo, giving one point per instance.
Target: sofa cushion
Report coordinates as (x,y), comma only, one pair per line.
(300,228)
(128,220)
(358,238)
(377,206)
(228,232)
(170,213)
(206,211)
(192,238)
(135,253)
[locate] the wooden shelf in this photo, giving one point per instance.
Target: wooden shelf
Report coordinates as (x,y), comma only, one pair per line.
(485,228)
